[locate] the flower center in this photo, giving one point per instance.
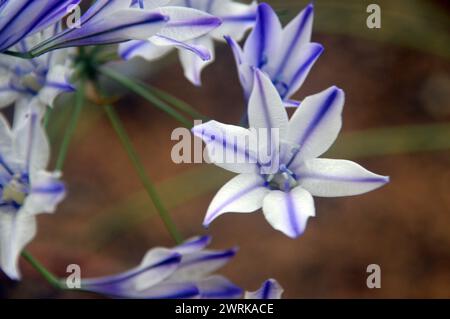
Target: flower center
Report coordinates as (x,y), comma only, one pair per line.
(283,180)
(31,81)
(15,191)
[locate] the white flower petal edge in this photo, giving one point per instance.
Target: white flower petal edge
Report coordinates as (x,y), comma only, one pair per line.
(270,289)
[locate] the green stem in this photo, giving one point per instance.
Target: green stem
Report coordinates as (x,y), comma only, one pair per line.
(140,170)
(142,91)
(79,102)
(51,278)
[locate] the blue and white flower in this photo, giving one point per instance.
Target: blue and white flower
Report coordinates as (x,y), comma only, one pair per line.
(26,188)
(107,22)
(180,272)
(286,194)
(270,289)
(22,18)
(196,50)
(285,55)
(40,79)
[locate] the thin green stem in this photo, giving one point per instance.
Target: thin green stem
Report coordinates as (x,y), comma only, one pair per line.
(142,91)
(79,102)
(50,277)
(140,170)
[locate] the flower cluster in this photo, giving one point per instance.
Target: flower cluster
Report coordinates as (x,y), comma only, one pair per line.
(39,61)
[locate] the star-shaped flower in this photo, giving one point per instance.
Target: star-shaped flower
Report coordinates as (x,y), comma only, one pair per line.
(196,52)
(285,55)
(26,188)
(180,272)
(284,185)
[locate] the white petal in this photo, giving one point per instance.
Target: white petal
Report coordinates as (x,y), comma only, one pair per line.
(192,64)
(288,212)
(31,143)
(7,96)
(16,231)
(194,46)
(47,191)
(158,264)
(316,124)
(6,138)
(242,194)
(231,147)
(187,24)
(237,18)
(265,107)
(291,79)
(198,265)
(263,42)
(142,48)
(56,83)
(296,35)
(332,178)
(192,245)
(270,289)
(154,257)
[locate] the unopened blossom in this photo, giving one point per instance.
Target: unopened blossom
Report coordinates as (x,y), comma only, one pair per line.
(22,18)
(285,192)
(185,271)
(196,52)
(270,289)
(107,22)
(26,187)
(285,55)
(36,81)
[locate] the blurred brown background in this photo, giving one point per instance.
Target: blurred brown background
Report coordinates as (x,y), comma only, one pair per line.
(396,122)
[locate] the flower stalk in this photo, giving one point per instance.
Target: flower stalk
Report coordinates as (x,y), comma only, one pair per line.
(143,176)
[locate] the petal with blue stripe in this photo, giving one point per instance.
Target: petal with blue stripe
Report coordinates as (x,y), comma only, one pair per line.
(158,264)
(230,147)
(264,40)
(197,265)
(295,36)
(47,191)
(195,60)
(242,194)
(187,24)
(119,26)
(270,289)
(289,211)
(315,125)
(192,245)
(332,178)
(17,229)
